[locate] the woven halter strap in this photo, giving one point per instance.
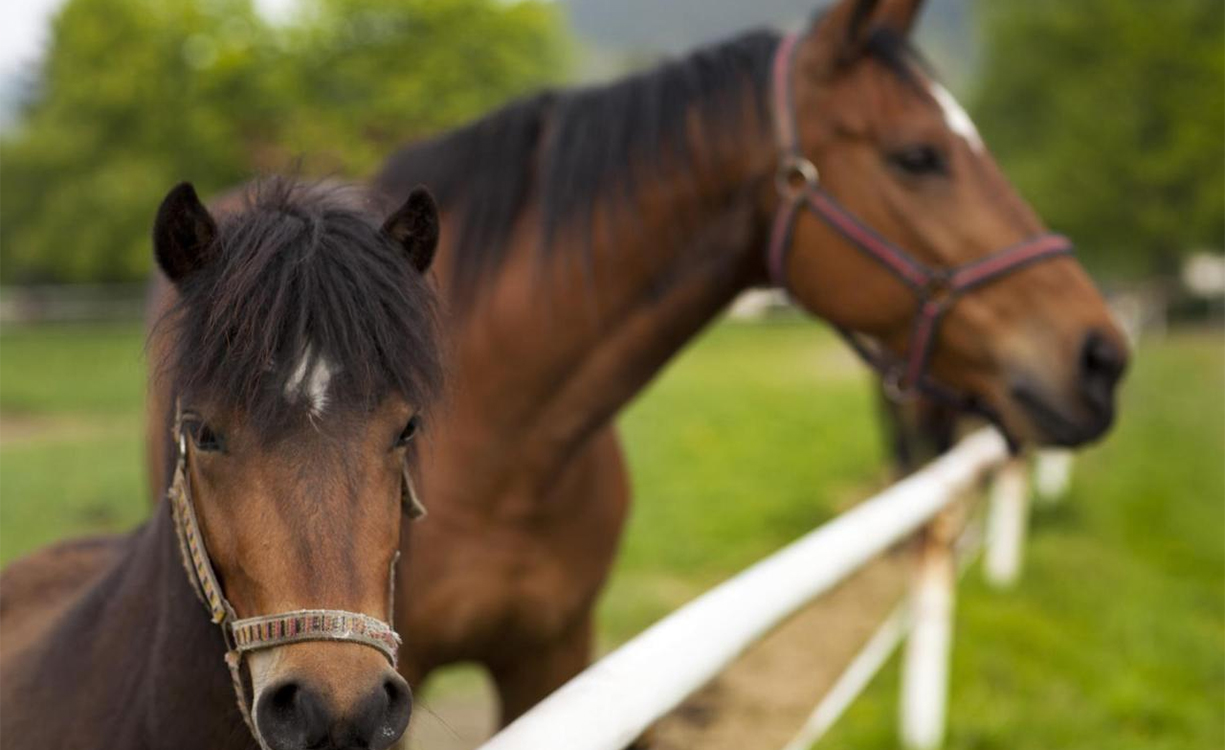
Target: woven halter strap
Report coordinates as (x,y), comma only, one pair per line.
(936,290)
(244,635)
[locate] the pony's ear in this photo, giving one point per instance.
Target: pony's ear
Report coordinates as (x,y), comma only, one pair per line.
(843,32)
(414,226)
(183,233)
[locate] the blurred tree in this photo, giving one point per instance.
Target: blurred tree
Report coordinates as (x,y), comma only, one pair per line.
(1110,116)
(135,95)
(368,75)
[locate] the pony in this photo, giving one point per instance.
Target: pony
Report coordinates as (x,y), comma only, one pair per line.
(593,232)
(299,343)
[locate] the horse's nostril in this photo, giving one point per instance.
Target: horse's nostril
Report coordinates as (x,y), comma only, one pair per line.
(384,714)
(284,698)
(1101,365)
(290,717)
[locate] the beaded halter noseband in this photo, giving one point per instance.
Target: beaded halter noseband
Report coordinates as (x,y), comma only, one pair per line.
(936,290)
(269,631)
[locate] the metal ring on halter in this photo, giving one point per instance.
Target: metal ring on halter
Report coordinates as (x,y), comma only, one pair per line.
(795,175)
(939,288)
(895,389)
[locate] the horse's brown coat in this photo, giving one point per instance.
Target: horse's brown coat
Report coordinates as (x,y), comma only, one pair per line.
(524,477)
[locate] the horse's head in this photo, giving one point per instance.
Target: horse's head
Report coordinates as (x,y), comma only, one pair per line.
(1032,344)
(304,355)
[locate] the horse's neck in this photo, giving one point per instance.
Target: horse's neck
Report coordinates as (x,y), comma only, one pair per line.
(553,353)
(136,662)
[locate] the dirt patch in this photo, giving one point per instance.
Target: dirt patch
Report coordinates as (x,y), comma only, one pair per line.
(18,429)
(765,696)
(453,718)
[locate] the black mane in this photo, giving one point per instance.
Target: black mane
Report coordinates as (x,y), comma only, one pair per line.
(570,149)
(296,268)
(567,150)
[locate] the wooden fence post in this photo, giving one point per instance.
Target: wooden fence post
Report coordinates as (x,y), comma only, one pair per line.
(1007,518)
(925,665)
(1052,474)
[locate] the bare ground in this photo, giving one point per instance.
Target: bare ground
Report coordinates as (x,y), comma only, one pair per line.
(18,429)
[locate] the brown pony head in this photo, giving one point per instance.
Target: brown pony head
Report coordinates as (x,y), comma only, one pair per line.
(1036,348)
(304,355)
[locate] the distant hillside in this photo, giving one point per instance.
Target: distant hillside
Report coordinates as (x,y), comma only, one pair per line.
(625,33)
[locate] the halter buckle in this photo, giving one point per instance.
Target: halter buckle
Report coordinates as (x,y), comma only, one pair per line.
(795,175)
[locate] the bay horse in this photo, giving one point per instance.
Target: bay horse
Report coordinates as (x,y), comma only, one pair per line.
(301,351)
(593,232)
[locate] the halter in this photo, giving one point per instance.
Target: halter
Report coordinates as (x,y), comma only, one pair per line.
(245,635)
(936,290)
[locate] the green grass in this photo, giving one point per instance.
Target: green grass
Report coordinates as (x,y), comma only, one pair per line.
(72,369)
(72,461)
(753,437)
(1115,637)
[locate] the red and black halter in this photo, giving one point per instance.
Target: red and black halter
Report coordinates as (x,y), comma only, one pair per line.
(936,290)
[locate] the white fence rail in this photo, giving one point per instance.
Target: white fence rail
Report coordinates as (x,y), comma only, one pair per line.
(613,701)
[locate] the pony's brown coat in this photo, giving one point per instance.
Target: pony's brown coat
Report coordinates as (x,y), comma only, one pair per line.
(105,644)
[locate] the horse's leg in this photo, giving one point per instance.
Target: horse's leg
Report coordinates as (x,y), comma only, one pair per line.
(595,484)
(533,674)
(917,431)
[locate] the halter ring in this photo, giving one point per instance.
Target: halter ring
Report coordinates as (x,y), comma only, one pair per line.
(896,390)
(795,175)
(939,289)
(936,289)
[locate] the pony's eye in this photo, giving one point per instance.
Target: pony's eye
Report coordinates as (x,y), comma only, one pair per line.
(920,160)
(409,432)
(204,437)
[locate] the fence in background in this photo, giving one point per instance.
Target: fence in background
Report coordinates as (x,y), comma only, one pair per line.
(72,303)
(613,701)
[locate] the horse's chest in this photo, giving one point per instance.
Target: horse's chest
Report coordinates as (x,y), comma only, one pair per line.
(507,587)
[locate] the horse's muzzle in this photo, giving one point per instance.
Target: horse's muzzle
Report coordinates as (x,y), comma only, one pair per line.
(292,716)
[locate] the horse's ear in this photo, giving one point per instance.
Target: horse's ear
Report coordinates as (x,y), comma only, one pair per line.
(898,16)
(842,33)
(414,226)
(183,233)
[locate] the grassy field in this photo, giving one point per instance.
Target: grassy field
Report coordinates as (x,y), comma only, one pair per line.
(1114,639)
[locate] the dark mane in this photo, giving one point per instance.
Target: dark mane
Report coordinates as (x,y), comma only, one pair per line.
(297,268)
(569,149)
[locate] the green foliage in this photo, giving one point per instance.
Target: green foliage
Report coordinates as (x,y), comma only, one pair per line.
(371,74)
(135,95)
(1109,116)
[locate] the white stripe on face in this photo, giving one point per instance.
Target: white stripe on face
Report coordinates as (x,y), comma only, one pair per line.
(317,381)
(955,116)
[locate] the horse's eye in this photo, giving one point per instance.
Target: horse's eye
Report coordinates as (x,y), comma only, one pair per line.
(409,431)
(204,437)
(920,160)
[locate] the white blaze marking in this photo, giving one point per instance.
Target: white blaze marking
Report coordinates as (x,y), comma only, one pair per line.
(956,117)
(316,381)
